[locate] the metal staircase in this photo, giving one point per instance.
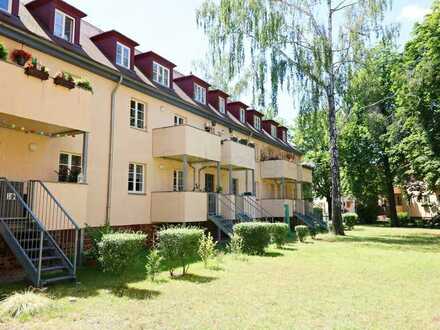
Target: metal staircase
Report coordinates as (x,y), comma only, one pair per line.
(311,221)
(40,233)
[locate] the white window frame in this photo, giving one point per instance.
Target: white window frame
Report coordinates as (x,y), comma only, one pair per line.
(121,62)
(135,114)
(63,15)
(273,130)
(69,163)
(178,180)
(9,9)
(160,71)
(199,93)
(222,105)
(242,115)
(257,122)
(284,135)
(179,120)
(134,181)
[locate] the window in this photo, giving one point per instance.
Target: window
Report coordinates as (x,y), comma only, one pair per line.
(222,105)
(64,26)
(137,114)
(284,136)
(178,181)
(161,74)
(242,115)
(199,94)
(6,5)
(135,178)
(273,130)
(69,167)
(257,122)
(235,186)
(178,120)
(123,55)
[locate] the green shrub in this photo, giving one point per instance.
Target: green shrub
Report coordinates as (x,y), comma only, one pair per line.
(27,303)
(95,234)
(206,248)
(118,250)
(403,218)
(350,220)
(236,245)
(179,245)
(279,233)
(3,52)
(302,232)
(318,213)
(255,236)
(313,232)
(154,260)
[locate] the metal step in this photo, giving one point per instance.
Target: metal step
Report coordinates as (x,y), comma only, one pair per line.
(46,248)
(58,279)
(46,258)
(53,268)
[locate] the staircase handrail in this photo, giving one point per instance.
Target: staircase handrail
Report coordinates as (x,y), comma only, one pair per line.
(254,204)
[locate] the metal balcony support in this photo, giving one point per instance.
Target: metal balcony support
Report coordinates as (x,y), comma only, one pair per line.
(85,156)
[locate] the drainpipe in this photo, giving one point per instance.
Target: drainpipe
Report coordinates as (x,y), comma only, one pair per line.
(111,148)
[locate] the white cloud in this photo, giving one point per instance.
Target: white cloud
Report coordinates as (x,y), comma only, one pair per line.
(413,13)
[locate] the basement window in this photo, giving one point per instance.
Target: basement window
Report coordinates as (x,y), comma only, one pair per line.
(64,26)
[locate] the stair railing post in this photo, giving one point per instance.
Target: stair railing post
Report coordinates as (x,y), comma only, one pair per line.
(75,257)
(40,257)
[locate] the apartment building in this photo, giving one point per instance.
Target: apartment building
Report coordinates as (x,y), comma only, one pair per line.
(147,146)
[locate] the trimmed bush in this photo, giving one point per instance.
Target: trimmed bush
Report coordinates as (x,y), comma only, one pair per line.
(3,52)
(207,249)
(27,303)
(95,234)
(255,236)
(350,220)
(179,245)
(403,218)
(118,250)
(279,233)
(302,232)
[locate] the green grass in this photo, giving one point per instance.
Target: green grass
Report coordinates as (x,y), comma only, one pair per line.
(375,278)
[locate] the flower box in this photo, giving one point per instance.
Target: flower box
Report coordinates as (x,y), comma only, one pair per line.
(34,72)
(62,81)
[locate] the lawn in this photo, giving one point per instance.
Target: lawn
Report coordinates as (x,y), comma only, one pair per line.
(375,278)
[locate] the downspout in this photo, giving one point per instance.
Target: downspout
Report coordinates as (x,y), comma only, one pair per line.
(111,148)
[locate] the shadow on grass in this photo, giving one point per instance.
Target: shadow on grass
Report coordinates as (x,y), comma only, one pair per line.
(418,242)
(272,254)
(288,248)
(134,293)
(193,278)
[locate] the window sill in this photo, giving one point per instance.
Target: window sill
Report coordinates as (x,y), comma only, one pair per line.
(137,193)
(145,130)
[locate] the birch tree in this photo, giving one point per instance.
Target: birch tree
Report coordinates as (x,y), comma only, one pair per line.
(304,46)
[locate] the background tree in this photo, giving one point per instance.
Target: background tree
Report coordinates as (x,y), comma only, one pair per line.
(365,146)
(293,44)
(416,128)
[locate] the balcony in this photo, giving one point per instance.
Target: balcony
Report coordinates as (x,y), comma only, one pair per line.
(176,141)
(41,106)
(274,169)
(307,175)
(238,155)
(175,207)
(275,207)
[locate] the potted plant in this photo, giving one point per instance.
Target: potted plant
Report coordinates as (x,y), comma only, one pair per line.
(3,52)
(233,138)
(20,56)
(252,145)
(64,79)
(37,70)
(84,84)
(243,141)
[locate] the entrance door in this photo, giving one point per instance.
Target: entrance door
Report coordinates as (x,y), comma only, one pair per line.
(209,183)
(235,187)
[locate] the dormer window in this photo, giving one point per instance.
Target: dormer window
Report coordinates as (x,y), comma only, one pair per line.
(161,74)
(273,130)
(284,136)
(64,26)
(6,5)
(222,105)
(242,115)
(123,55)
(257,122)
(199,94)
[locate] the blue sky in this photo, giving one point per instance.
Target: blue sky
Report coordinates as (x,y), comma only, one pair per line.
(169,28)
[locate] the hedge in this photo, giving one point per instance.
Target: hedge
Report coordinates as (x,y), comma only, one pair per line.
(350,220)
(279,233)
(301,232)
(118,250)
(403,218)
(179,245)
(255,236)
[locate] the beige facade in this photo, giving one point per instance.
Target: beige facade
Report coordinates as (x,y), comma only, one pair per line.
(425,206)
(40,121)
